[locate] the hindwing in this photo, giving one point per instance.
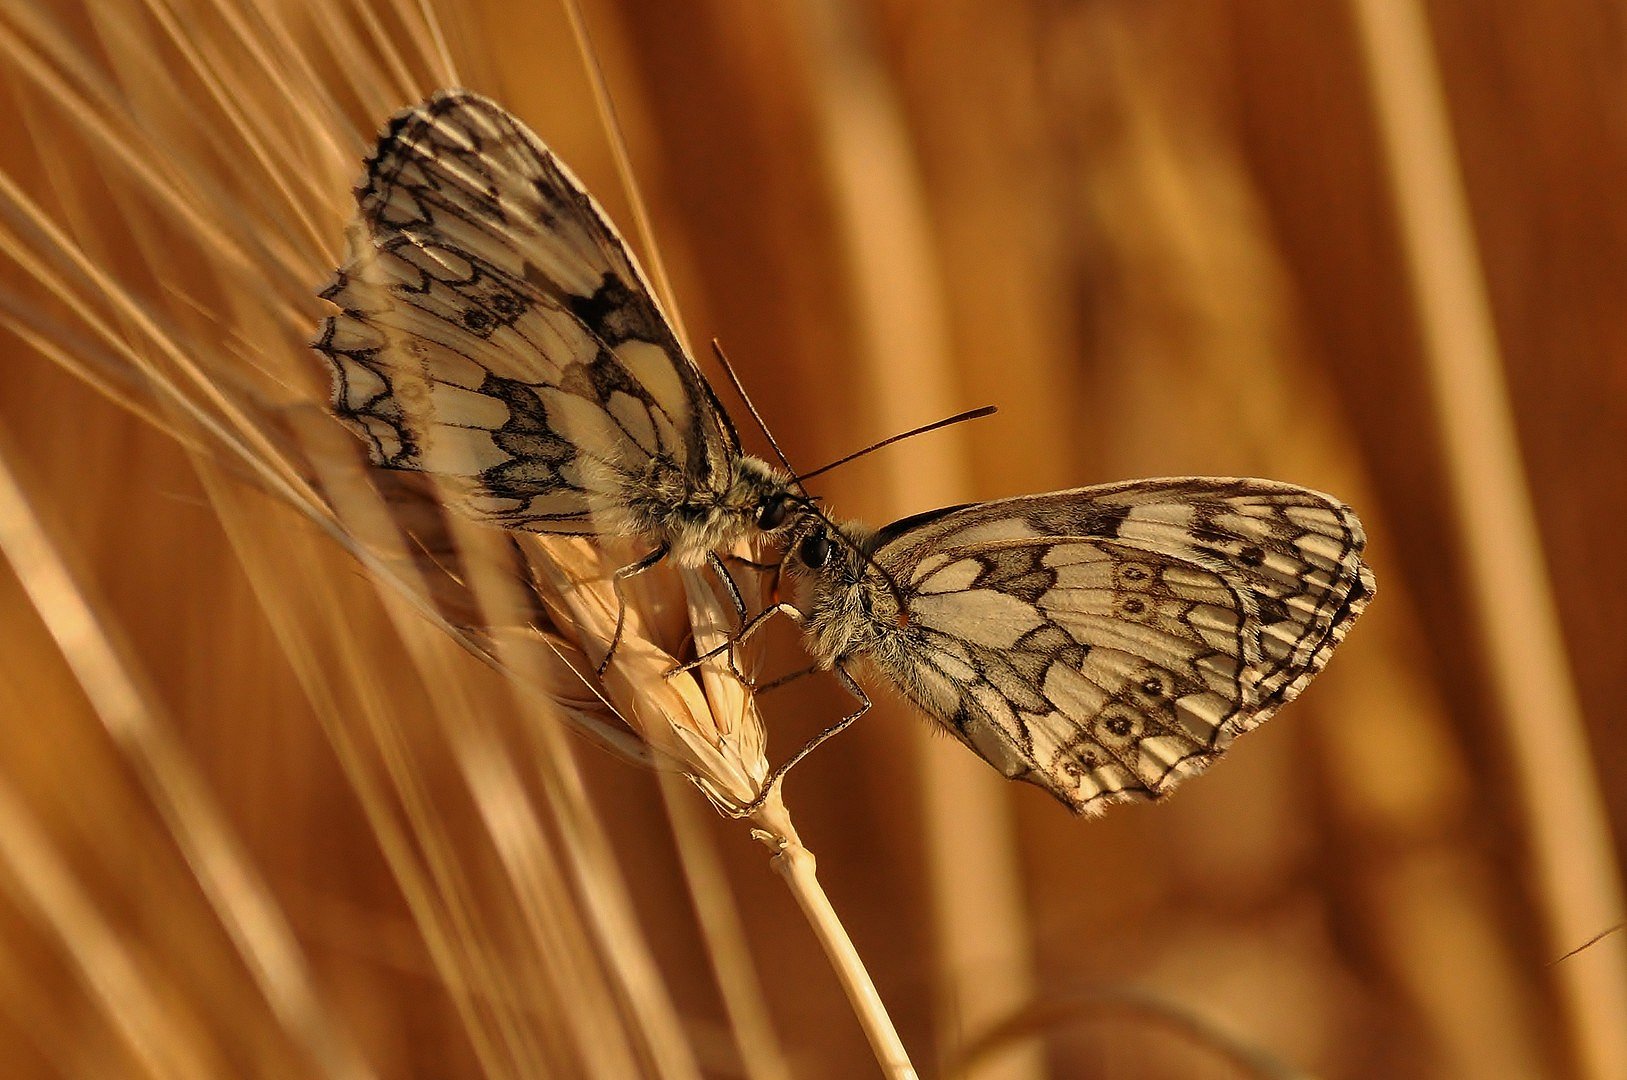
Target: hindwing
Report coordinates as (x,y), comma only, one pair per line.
(1106,642)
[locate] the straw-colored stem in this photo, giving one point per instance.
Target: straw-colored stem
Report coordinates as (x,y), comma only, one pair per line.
(794,862)
(1576,881)
(796,865)
(34,875)
(719,920)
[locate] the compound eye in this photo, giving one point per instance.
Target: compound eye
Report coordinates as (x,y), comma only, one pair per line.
(815,551)
(775,510)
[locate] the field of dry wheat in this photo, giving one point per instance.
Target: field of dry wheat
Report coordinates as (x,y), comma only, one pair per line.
(298,777)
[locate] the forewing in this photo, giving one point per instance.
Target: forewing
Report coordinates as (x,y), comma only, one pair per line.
(495,331)
(1106,642)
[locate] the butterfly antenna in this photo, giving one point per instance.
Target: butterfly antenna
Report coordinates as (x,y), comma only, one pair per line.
(969,414)
(739,388)
(807,500)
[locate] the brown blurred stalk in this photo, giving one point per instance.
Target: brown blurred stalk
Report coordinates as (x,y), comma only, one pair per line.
(1575,876)
(134,719)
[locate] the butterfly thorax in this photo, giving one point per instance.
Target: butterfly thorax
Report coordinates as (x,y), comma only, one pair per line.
(696,519)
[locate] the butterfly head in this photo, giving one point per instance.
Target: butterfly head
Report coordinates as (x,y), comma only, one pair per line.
(838,555)
(774,511)
(814,550)
(849,603)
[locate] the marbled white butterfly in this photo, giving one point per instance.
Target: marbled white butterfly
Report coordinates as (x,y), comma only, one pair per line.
(1103,643)
(496,332)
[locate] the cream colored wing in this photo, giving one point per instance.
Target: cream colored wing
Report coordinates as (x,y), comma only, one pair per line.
(494,331)
(1106,642)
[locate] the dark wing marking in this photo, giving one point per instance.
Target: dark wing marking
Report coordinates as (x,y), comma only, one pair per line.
(1106,642)
(496,332)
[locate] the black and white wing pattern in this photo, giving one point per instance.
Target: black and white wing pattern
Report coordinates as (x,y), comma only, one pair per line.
(1104,643)
(495,331)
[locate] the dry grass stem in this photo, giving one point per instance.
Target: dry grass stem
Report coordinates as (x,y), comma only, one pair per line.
(133,719)
(796,865)
(736,776)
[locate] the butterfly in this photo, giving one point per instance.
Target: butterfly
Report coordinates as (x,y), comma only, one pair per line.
(495,332)
(1103,643)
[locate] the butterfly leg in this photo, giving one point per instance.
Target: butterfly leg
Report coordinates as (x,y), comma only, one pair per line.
(727,578)
(744,627)
(775,684)
(747,628)
(778,774)
(616,579)
(739,602)
(751,564)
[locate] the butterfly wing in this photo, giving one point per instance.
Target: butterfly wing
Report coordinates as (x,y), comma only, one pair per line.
(496,332)
(1106,642)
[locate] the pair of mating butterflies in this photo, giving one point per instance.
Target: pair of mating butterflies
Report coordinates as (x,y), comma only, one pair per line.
(1102,643)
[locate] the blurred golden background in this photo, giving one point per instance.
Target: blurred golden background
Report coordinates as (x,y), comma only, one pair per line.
(1375,247)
